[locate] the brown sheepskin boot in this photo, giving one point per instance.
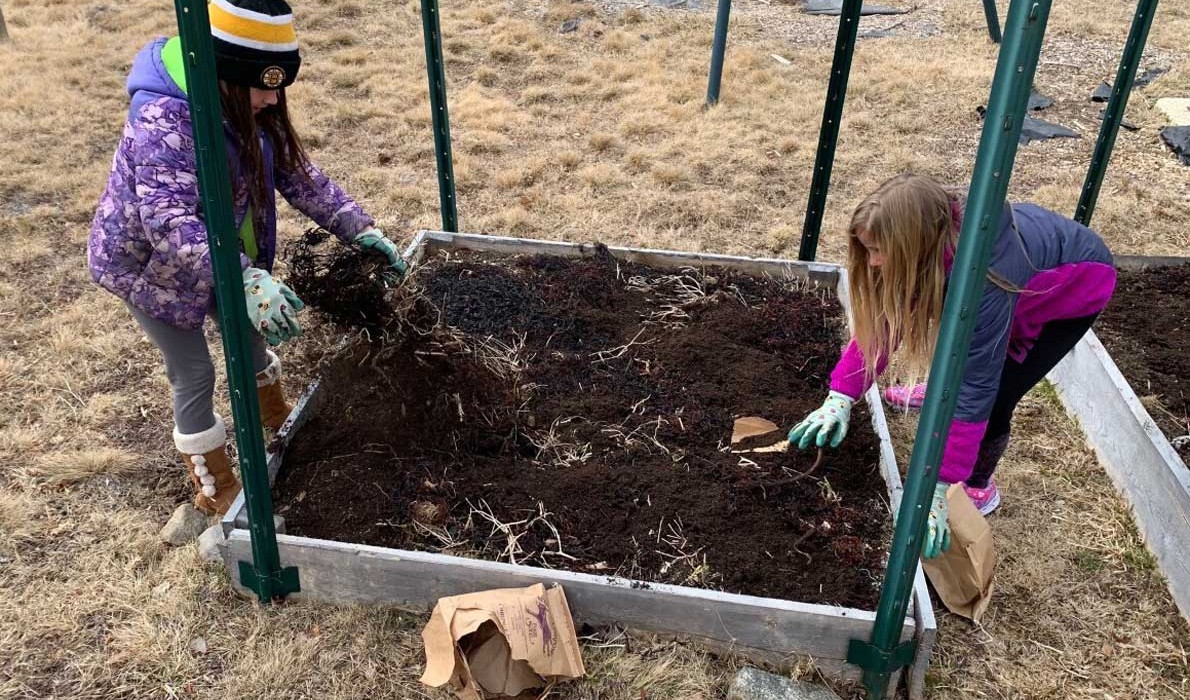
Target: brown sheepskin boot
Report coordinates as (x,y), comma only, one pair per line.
(274,409)
(209,467)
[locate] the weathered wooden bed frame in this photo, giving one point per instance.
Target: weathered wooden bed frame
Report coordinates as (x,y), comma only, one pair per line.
(765,630)
(1138,457)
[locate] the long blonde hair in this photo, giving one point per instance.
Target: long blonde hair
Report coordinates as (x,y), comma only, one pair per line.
(913,221)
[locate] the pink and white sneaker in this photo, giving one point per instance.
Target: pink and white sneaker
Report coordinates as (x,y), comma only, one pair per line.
(986,499)
(905,398)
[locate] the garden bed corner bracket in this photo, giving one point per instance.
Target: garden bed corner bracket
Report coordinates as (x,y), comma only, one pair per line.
(877,662)
(275,587)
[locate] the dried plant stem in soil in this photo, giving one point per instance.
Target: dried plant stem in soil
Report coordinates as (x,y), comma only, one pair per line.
(793,479)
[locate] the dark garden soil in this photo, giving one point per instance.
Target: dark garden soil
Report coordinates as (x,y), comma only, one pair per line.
(578,414)
(1146,328)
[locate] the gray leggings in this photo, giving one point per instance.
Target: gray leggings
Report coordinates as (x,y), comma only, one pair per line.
(190,370)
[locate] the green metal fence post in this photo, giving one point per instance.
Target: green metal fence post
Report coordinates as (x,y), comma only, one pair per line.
(718,49)
(828,134)
(1121,89)
(989,12)
(439,113)
(264,574)
(1007,107)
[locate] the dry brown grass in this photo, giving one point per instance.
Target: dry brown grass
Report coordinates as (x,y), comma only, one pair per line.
(597,134)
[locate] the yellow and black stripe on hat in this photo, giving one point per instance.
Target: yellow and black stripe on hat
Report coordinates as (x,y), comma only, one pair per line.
(255,43)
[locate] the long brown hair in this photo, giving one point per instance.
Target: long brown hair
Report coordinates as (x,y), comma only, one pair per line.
(899,304)
(288,153)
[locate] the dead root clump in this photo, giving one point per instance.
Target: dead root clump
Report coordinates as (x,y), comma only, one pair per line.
(351,288)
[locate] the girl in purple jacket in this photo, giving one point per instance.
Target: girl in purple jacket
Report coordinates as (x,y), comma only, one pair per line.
(148,242)
(1048,279)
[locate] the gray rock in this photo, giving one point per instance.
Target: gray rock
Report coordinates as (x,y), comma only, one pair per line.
(751,684)
(1038,101)
(1123,122)
(1033,129)
(210,544)
(278,522)
(1103,92)
(184,526)
(1178,140)
(1148,76)
(570,25)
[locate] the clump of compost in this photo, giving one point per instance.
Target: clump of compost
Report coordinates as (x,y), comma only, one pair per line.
(351,287)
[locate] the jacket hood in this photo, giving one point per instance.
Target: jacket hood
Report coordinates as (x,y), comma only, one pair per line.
(149,79)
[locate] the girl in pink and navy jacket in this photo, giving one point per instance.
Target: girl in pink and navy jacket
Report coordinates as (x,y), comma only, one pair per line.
(1048,279)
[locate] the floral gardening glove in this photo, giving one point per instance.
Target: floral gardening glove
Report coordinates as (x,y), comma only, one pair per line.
(937,528)
(830,420)
(374,239)
(272,306)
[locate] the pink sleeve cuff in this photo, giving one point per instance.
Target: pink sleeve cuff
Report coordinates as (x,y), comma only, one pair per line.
(849,376)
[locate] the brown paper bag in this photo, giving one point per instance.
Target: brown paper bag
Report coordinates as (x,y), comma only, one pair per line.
(962,575)
(754,434)
(501,642)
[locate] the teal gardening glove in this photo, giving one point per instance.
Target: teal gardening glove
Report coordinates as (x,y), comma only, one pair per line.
(937,527)
(272,306)
(830,420)
(374,239)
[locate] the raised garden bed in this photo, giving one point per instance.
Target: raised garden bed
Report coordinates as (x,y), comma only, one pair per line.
(569,416)
(1146,328)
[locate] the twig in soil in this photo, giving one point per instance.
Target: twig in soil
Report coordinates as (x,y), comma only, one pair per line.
(668,314)
(542,517)
(512,548)
(700,575)
(512,536)
(564,454)
(805,536)
(682,288)
(792,479)
(505,360)
(439,533)
(676,540)
(676,537)
(640,403)
(828,493)
(637,436)
(739,296)
(618,352)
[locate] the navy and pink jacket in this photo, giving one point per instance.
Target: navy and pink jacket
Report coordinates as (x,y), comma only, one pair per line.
(1064,270)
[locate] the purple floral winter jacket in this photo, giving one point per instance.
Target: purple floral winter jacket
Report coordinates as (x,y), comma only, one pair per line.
(148,243)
